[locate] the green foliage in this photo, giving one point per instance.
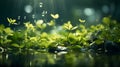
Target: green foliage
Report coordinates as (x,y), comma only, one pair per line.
(69,26)
(1,28)
(8,31)
(75,37)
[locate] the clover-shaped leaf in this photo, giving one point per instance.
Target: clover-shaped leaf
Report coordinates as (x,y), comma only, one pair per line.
(11,21)
(55,16)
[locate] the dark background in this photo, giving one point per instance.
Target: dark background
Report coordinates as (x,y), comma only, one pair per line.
(68,9)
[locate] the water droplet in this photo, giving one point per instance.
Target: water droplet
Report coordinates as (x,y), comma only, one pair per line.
(24,17)
(28,8)
(44,13)
(34,21)
(41,4)
(18,17)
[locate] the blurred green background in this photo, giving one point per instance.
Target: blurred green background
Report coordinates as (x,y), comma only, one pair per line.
(31,10)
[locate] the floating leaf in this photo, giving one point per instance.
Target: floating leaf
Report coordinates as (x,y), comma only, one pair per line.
(11,21)
(55,16)
(82,21)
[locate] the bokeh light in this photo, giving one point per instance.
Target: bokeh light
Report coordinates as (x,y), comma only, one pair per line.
(28,8)
(88,11)
(105,9)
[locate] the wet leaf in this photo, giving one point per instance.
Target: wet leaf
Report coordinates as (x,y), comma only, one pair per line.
(8,31)
(82,21)
(51,23)
(74,27)
(55,16)
(1,28)
(68,26)
(106,20)
(11,21)
(15,45)
(7,41)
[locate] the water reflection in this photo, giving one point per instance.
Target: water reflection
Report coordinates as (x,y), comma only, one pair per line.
(39,59)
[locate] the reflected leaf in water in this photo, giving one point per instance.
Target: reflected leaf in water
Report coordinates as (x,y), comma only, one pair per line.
(70,60)
(65,60)
(42,59)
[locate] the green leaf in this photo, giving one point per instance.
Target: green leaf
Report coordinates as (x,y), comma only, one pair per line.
(82,26)
(8,31)
(74,27)
(68,26)
(106,20)
(51,23)
(82,21)
(15,45)
(55,16)
(1,28)
(98,42)
(11,21)
(7,41)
